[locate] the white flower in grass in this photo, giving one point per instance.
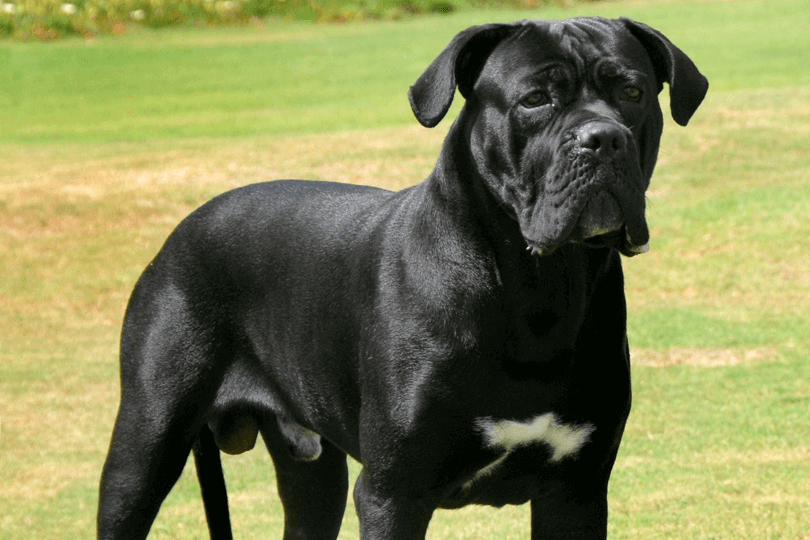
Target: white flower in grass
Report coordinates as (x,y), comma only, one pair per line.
(68,9)
(137,15)
(11,9)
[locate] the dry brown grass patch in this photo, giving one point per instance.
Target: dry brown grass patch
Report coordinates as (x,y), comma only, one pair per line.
(686,356)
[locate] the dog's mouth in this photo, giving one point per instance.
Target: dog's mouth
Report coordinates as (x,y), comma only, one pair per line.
(611,239)
(618,239)
(603,223)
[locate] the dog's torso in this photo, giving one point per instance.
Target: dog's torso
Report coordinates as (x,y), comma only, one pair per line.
(401,327)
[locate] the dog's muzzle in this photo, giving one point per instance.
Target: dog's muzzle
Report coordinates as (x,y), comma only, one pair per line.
(593,195)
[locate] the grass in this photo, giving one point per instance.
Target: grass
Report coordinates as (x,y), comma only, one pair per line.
(105,145)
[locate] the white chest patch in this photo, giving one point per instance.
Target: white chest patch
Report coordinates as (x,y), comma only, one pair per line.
(564,440)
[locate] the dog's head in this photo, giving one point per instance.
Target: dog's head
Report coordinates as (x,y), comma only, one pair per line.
(563,121)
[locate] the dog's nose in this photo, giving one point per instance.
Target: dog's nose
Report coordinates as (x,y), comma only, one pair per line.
(604,139)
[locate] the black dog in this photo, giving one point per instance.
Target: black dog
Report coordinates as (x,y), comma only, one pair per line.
(464,339)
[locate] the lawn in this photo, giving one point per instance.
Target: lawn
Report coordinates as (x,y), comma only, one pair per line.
(106,144)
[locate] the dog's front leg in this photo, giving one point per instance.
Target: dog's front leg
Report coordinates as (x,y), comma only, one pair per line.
(568,513)
(385,515)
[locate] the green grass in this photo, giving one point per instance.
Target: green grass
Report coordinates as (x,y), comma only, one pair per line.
(298,78)
(105,145)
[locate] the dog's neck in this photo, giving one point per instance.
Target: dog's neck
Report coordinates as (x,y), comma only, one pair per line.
(462,190)
(458,189)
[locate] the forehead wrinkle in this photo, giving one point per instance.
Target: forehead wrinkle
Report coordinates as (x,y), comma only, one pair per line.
(527,49)
(586,45)
(607,40)
(575,43)
(591,41)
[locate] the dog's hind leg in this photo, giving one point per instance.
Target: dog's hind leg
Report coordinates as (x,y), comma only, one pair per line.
(313,488)
(168,383)
(145,460)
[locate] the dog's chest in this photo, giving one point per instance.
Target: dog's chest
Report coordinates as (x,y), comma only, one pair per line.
(561,439)
(537,430)
(519,451)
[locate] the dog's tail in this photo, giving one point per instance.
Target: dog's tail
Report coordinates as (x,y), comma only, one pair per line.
(212,485)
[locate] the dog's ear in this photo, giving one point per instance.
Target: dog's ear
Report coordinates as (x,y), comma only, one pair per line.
(687,86)
(460,63)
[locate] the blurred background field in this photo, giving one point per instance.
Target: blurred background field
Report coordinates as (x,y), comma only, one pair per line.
(54,19)
(106,142)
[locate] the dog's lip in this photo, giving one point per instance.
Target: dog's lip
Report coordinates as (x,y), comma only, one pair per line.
(618,239)
(631,247)
(608,239)
(631,250)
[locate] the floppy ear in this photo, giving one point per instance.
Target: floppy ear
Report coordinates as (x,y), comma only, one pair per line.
(459,63)
(687,86)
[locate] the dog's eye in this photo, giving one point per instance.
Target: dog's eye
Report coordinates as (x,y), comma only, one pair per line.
(535,100)
(632,93)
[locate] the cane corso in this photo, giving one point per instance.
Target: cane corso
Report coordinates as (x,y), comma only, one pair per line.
(463,339)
